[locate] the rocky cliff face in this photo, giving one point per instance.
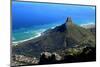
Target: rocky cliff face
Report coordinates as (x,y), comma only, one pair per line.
(65,36)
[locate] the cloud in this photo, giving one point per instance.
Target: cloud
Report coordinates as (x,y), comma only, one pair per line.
(92,8)
(91,23)
(88,25)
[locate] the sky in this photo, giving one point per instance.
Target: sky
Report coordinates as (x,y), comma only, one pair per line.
(31,13)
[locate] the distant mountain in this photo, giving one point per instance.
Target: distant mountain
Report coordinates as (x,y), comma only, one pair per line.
(59,39)
(90,27)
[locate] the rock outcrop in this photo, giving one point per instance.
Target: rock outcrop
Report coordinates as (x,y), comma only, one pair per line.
(23,60)
(49,58)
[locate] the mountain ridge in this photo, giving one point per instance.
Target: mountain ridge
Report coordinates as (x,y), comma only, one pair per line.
(67,35)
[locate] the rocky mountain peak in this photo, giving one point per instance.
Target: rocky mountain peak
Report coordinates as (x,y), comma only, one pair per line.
(69,19)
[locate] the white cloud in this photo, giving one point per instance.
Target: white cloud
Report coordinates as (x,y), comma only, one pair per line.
(88,25)
(91,23)
(92,8)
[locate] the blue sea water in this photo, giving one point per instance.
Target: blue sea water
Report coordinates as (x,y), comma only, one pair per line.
(29,19)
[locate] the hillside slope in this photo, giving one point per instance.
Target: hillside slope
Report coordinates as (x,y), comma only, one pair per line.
(67,35)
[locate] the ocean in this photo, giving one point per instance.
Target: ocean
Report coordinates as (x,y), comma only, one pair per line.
(30,19)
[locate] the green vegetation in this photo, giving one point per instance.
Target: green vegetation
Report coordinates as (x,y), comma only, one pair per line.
(68,39)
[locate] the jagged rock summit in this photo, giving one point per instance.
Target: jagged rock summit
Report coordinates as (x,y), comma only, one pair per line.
(69,20)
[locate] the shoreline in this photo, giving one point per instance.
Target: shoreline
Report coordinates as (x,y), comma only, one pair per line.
(38,34)
(17,42)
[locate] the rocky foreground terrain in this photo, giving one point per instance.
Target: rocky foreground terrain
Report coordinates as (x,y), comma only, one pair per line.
(66,43)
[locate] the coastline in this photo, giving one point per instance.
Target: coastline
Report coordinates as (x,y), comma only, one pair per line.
(17,42)
(38,34)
